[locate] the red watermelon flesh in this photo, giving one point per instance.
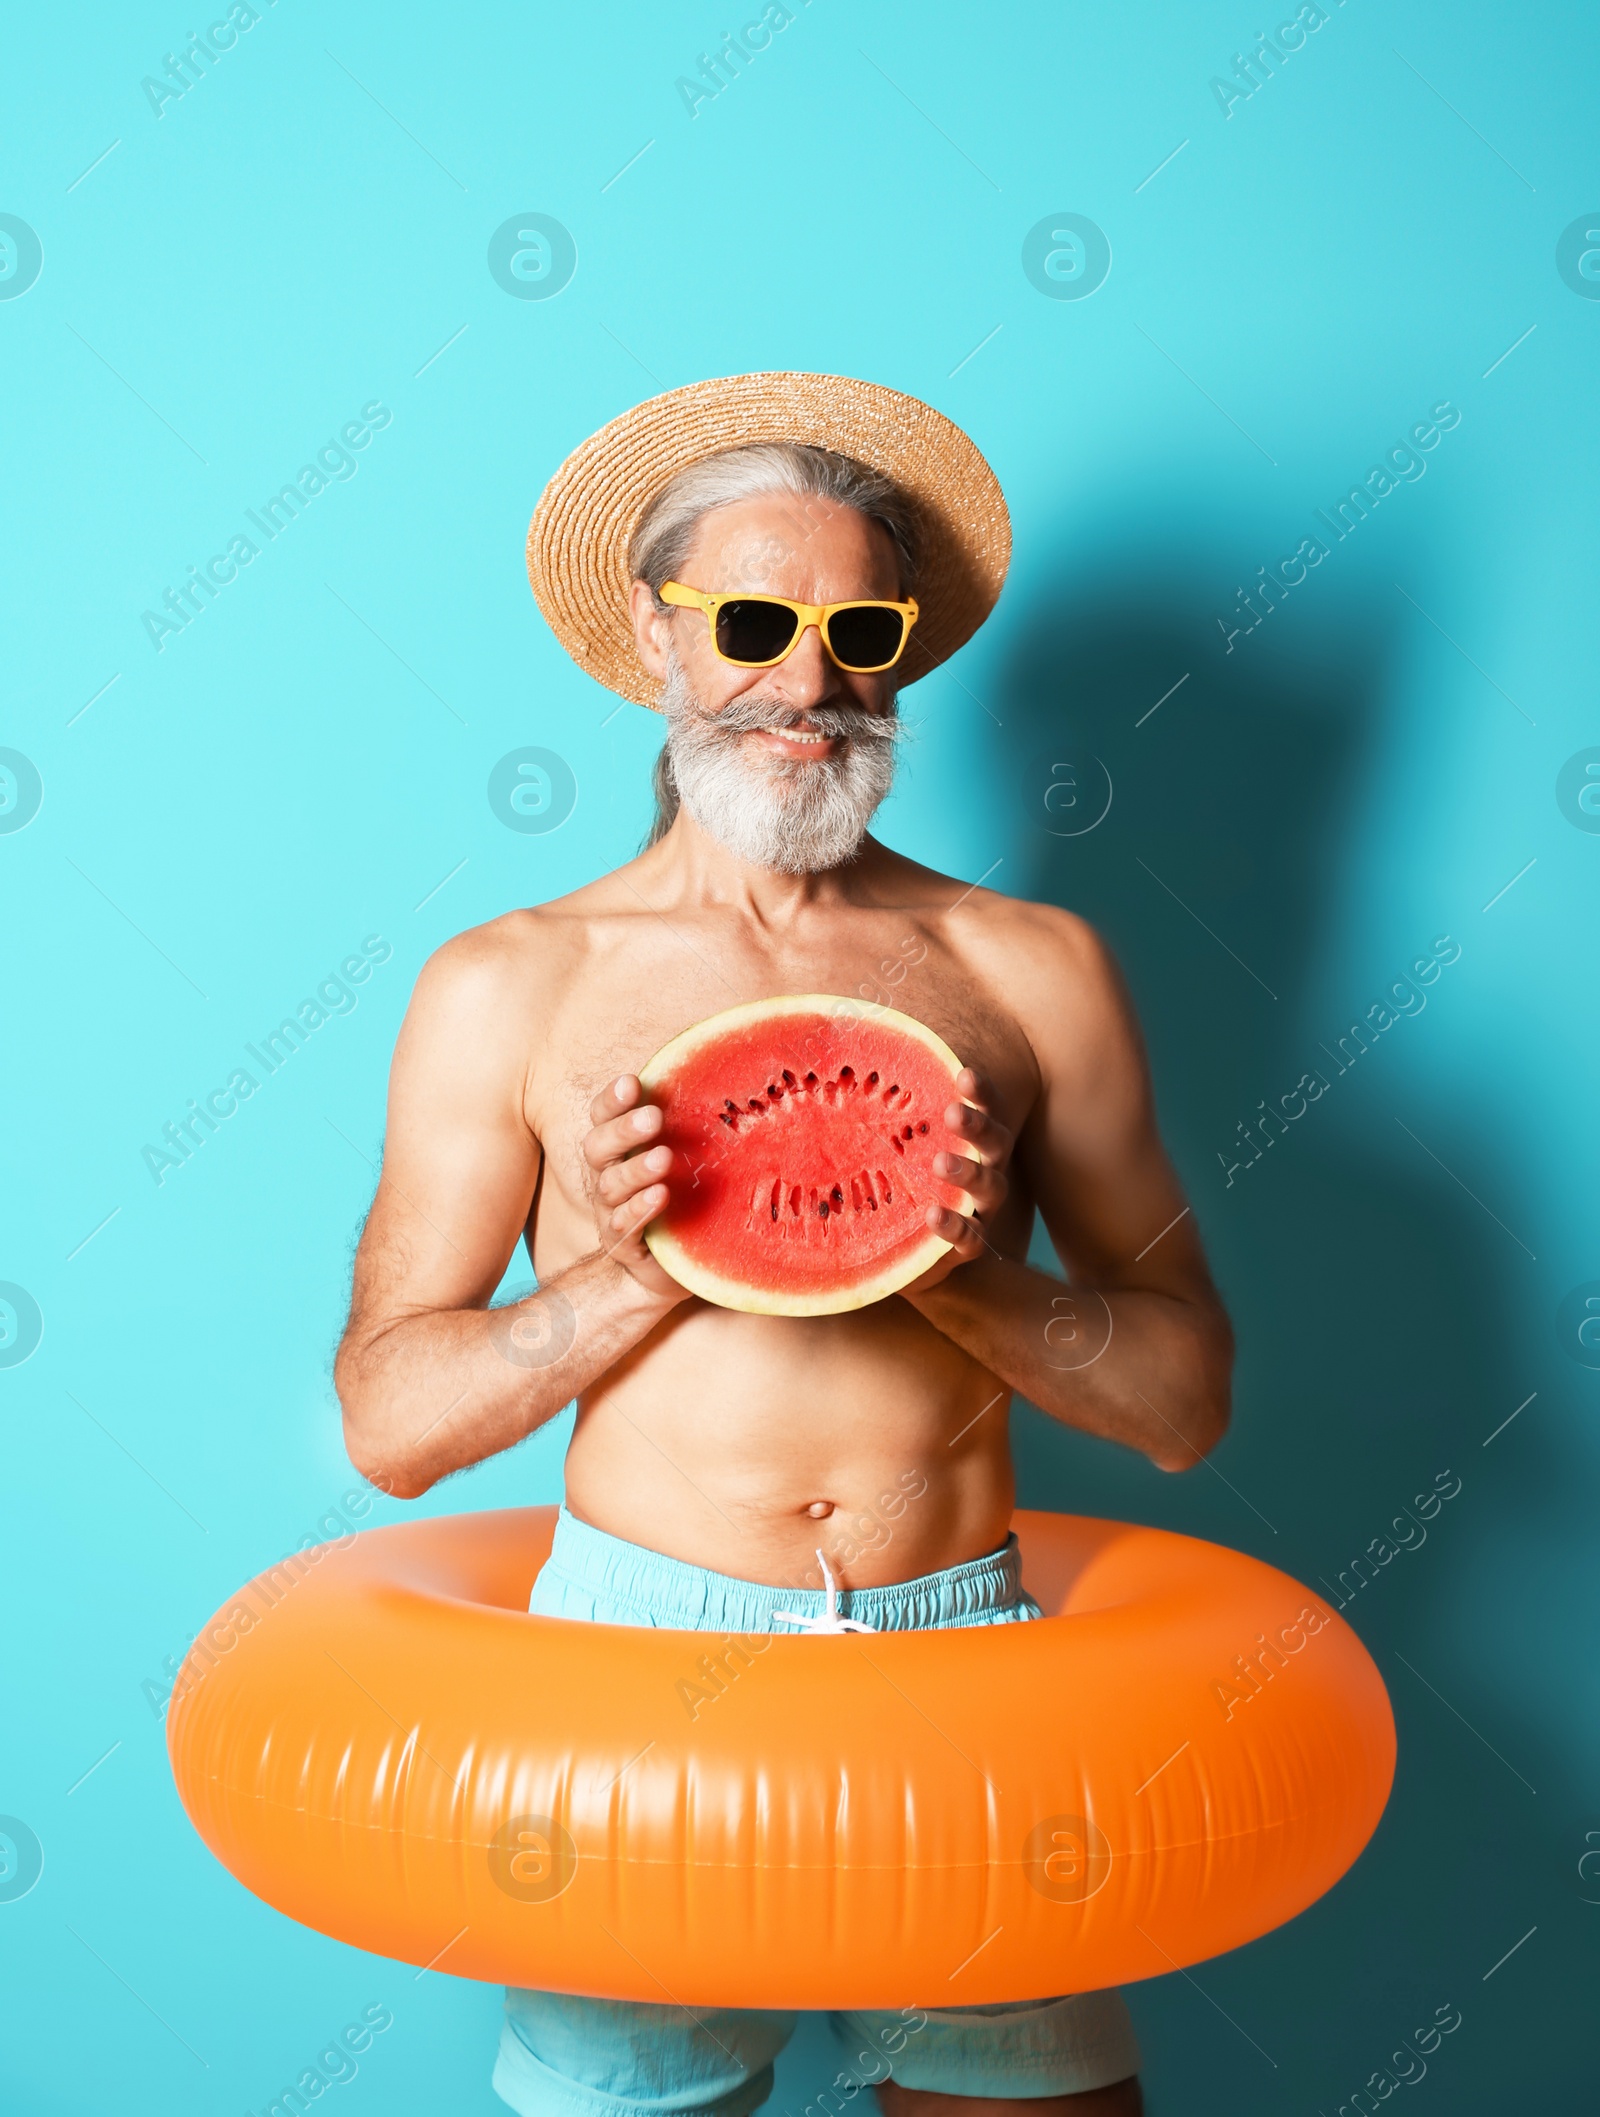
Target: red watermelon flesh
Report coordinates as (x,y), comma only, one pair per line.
(803,1133)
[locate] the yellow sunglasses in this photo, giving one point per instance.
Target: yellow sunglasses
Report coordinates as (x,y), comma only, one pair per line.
(758,631)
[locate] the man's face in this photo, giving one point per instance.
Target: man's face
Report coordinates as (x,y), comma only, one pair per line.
(786,765)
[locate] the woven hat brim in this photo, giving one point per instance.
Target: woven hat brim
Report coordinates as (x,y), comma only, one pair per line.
(581,529)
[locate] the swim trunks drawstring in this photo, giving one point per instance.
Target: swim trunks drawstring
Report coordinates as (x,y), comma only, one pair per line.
(827,1620)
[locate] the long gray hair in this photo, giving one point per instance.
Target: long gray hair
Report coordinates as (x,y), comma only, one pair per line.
(666,531)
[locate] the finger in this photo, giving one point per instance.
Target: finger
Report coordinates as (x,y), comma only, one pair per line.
(975,1087)
(978,1089)
(621,1179)
(977,1130)
(615,1097)
(964,1236)
(609,1142)
(985,1186)
(636,1213)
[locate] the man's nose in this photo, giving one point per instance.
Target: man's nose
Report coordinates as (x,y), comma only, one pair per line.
(806,676)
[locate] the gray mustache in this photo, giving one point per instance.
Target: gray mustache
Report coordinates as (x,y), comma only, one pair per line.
(745,716)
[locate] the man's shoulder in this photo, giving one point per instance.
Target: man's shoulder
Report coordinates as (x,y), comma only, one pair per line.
(1017,932)
(528,954)
(1040,932)
(502,965)
(1039,965)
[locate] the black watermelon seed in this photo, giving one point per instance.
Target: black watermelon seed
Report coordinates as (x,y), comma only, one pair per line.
(823,1209)
(922,1128)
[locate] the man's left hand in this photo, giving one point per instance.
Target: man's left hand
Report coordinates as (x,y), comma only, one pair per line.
(979,1147)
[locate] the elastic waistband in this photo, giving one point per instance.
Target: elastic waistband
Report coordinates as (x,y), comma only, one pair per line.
(590,1573)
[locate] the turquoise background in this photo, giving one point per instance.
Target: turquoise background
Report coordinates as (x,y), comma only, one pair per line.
(306,232)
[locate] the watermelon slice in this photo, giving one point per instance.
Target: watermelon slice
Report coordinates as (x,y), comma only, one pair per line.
(804,1131)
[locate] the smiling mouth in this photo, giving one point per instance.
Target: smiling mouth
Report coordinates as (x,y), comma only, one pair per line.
(798,735)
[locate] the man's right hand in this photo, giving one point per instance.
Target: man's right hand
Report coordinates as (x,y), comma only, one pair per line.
(630,1180)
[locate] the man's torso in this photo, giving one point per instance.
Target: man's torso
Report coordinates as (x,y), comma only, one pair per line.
(743,1442)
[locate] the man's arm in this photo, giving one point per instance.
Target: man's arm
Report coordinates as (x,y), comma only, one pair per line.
(430,1379)
(1137,1348)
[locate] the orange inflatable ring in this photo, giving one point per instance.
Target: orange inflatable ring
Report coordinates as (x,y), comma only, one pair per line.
(381,1742)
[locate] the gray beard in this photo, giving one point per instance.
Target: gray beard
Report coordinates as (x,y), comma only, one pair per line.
(790,815)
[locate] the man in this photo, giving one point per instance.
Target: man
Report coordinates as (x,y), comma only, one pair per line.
(717,1456)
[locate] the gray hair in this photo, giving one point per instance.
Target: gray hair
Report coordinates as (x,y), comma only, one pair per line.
(661,542)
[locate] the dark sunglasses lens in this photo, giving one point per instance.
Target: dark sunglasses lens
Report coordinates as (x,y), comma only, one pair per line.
(754,630)
(866,638)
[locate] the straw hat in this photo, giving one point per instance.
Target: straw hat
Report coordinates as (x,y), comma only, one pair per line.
(578,539)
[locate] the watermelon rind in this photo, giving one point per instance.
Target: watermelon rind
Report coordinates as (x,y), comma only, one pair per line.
(724,1292)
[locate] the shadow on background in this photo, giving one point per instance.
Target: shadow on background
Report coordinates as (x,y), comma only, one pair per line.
(1369,1297)
(1377,1346)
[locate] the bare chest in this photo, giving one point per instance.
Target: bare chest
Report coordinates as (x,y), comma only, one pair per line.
(639,988)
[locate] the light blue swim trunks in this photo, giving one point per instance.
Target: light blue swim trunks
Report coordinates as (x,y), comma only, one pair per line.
(565,2056)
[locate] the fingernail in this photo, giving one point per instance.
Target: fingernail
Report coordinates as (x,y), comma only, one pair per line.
(620,1085)
(644,1120)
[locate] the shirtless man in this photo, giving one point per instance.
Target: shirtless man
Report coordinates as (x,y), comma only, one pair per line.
(737,1444)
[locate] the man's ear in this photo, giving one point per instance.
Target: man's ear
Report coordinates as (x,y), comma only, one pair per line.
(650,633)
